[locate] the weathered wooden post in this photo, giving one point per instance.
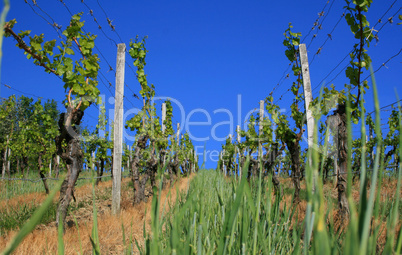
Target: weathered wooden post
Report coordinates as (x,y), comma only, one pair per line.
(308,97)
(240,153)
(57,167)
(9,163)
(129,158)
(261,114)
(163,117)
(3,174)
(118,128)
(178,133)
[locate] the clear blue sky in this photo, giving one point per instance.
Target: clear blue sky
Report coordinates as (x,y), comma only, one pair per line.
(206,53)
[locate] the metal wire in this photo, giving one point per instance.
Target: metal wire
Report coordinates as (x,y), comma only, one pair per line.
(56,179)
(332,175)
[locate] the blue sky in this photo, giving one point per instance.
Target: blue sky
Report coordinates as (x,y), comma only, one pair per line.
(207,54)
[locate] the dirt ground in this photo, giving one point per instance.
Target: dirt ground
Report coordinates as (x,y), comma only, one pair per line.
(43,240)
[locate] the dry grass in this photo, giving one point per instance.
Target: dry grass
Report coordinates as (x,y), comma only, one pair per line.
(29,199)
(43,240)
(388,192)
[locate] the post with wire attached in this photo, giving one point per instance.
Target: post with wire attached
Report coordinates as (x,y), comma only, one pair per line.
(260,129)
(308,97)
(239,156)
(163,117)
(3,175)
(118,128)
(163,124)
(178,133)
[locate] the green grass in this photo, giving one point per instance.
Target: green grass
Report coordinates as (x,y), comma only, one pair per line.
(11,219)
(14,218)
(224,216)
(219,215)
(10,189)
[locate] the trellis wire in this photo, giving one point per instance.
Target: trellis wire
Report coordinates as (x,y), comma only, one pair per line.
(55,179)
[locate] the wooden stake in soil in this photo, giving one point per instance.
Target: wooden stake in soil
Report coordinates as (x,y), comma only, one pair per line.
(260,129)
(308,97)
(129,157)
(57,166)
(50,168)
(239,158)
(118,128)
(3,174)
(163,117)
(9,162)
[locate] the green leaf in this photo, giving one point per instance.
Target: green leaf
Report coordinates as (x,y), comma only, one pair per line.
(69,51)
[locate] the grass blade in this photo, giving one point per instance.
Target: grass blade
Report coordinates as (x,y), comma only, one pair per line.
(32,222)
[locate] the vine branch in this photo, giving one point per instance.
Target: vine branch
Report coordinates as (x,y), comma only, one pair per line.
(359,56)
(27,49)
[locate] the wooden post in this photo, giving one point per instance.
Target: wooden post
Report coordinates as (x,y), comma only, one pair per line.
(195,159)
(178,133)
(228,168)
(9,162)
(223,163)
(3,174)
(238,133)
(50,167)
(93,161)
(163,117)
(238,141)
(190,157)
(129,158)
(260,129)
(118,128)
(308,97)
(57,166)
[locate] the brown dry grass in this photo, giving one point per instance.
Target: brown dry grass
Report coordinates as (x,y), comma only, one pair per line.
(37,198)
(388,192)
(43,240)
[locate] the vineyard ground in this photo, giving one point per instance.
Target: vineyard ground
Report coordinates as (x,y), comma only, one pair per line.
(43,240)
(388,192)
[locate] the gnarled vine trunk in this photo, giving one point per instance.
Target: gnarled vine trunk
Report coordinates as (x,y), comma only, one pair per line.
(294,151)
(174,168)
(253,169)
(100,167)
(141,143)
(72,155)
(184,168)
(152,167)
(337,123)
(42,176)
(269,164)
